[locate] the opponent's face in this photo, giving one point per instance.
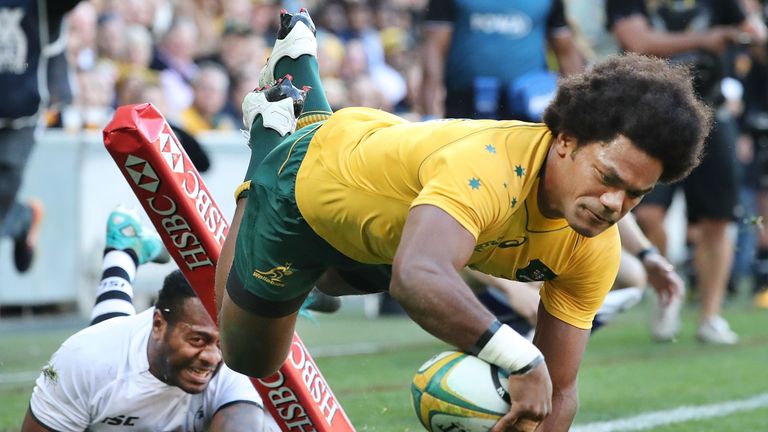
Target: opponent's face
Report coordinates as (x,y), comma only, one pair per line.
(601,182)
(188,354)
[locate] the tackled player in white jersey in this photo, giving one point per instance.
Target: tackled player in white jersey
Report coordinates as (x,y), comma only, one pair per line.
(160,370)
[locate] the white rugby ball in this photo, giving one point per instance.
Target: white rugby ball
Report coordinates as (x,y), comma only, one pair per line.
(457,391)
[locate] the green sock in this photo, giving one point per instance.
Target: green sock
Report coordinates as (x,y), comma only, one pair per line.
(262,141)
(305,72)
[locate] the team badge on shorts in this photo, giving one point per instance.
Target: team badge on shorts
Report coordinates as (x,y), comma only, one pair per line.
(274,276)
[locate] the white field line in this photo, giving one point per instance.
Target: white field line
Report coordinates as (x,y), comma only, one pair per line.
(676,415)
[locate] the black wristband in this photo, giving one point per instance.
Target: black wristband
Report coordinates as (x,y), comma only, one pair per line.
(485,337)
(645,252)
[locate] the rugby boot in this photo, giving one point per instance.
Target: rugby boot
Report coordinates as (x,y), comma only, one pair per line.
(25,245)
(125,232)
(296,37)
(279,105)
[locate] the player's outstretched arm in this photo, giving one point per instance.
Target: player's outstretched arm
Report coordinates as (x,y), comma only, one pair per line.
(426,281)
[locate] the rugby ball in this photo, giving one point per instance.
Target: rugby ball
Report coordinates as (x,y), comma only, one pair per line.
(459,392)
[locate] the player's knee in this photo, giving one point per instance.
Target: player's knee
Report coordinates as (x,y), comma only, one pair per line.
(249,367)
(240,356)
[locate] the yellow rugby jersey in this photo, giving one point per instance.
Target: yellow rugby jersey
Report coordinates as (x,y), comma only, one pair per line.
(365,169)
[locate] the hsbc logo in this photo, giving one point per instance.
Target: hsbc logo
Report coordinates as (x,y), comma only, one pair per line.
(171,152)
(142,173)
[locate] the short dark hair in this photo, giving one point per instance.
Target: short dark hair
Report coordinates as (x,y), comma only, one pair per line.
(175,291)
(643,98)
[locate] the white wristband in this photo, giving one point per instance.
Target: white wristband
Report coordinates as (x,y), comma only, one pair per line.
(511,352)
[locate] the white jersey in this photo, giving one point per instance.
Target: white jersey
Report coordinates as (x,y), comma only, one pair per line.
(99,380)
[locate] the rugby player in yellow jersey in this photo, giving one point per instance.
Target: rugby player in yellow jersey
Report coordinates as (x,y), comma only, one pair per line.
(362,201)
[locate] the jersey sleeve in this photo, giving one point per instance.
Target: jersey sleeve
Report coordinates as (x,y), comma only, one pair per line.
(231,387)
(577,294)
(61,394)
(469,182)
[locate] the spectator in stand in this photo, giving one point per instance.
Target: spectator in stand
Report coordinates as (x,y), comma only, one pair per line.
(240,50)
(211,91)
(361,30)
(243,83)
(175,59)
(111,42)
(331,53)
(94,104)
(137,57)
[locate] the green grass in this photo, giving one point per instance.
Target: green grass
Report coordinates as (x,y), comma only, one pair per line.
(623,373)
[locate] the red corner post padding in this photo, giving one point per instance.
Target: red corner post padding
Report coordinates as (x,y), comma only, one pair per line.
(193,229)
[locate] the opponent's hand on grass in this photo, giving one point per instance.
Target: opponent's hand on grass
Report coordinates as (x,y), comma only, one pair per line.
(663,278)
(530,399)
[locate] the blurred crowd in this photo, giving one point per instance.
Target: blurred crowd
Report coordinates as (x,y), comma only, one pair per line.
(196,59)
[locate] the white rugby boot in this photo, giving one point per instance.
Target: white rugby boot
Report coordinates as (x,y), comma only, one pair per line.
(280,105)
(296,37)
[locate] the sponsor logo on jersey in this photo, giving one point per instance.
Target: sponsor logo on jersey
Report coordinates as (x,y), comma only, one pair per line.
(274,276)
(512,25)
(536,271)
(513,242)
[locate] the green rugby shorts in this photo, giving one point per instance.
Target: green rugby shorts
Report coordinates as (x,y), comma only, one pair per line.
(278,257)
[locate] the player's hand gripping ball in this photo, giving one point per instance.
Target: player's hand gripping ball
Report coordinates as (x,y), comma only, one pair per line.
(456,391)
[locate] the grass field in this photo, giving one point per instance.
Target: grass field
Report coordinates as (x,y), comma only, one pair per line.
(369,364)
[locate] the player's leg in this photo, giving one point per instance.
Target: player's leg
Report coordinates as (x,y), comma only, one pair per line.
(16,218)
(711,198)
(22,224)
(269,114)
(128,245)
(295,54)
(271,262)
(272,270)
(650,214)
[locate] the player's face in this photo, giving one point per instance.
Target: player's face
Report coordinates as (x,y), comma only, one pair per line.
(190,348)
(601,182)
